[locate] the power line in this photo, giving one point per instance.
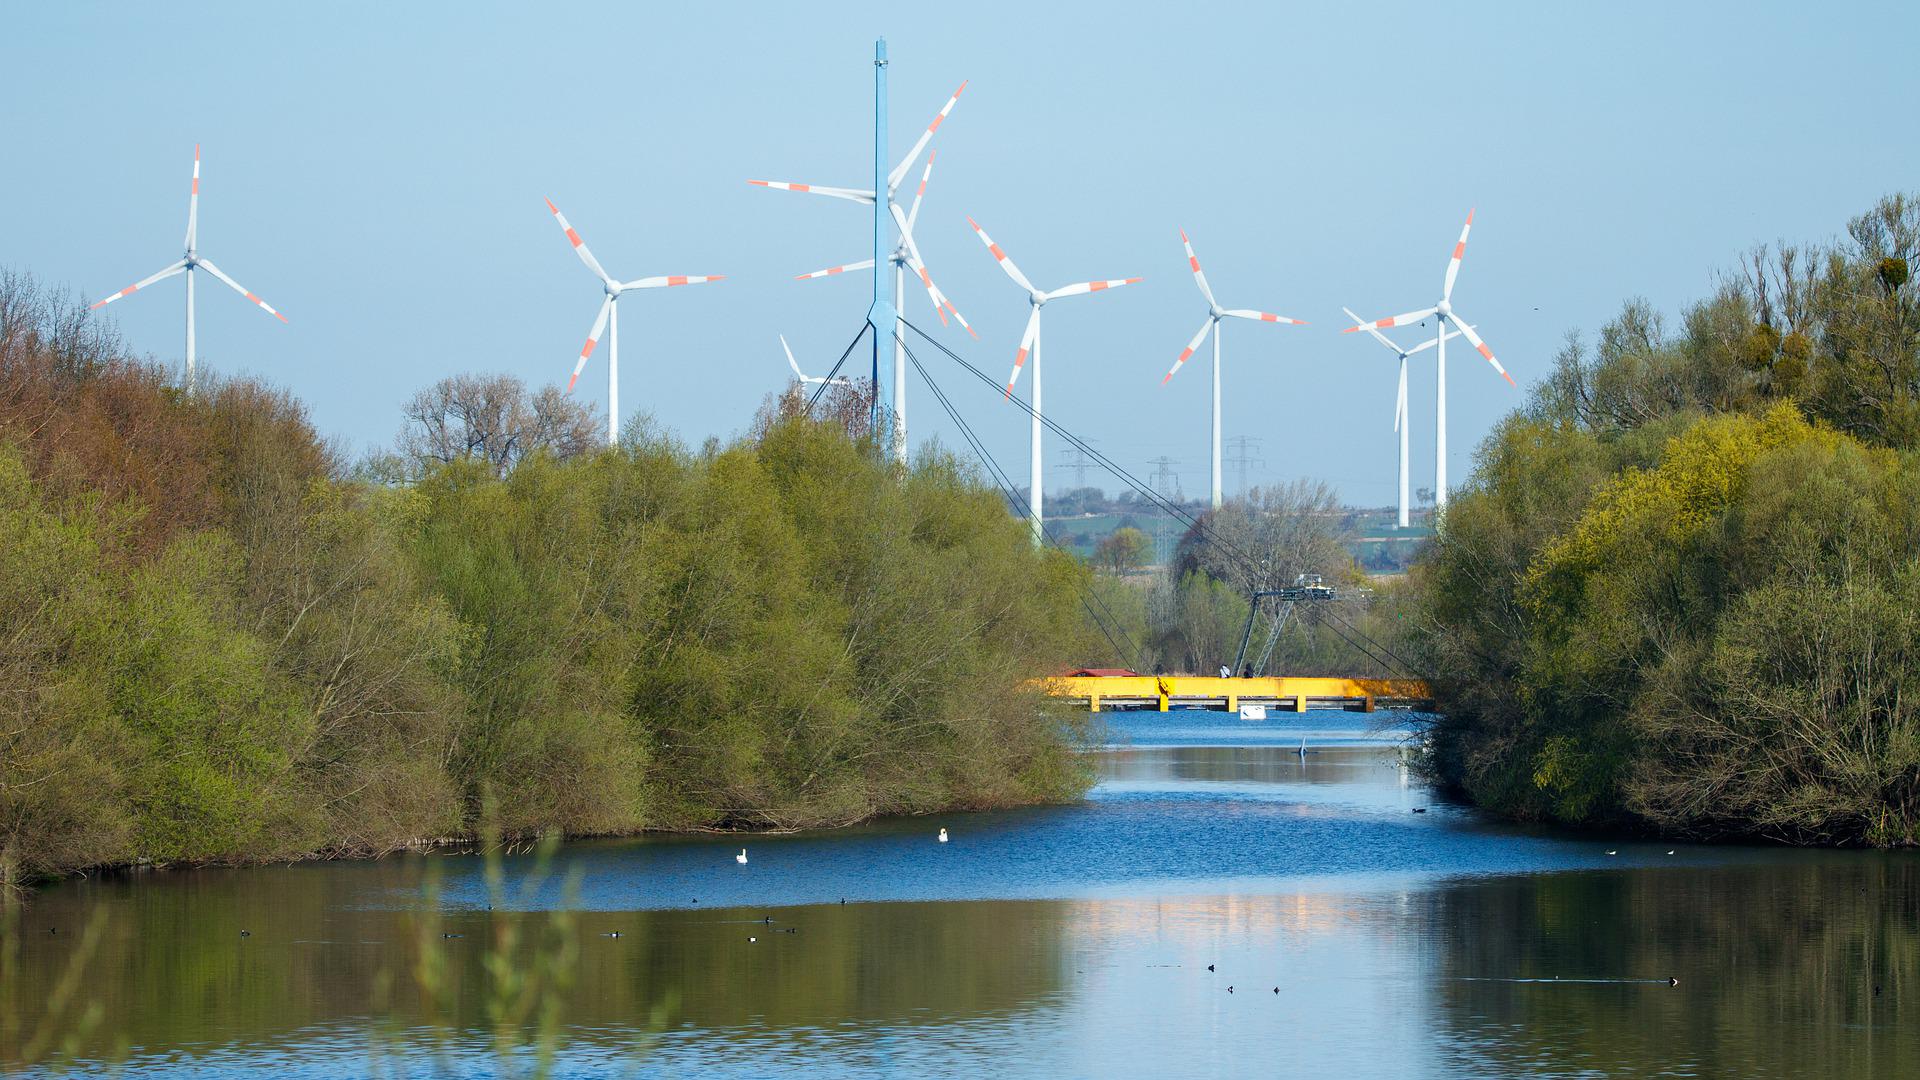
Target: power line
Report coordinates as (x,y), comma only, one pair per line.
(1078,462)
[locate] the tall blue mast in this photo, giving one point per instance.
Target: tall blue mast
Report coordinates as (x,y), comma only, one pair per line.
(881,315)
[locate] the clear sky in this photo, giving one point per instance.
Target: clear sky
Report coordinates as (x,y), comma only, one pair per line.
(377,171)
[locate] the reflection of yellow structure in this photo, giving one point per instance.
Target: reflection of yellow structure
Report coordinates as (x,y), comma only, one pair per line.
(1198,691)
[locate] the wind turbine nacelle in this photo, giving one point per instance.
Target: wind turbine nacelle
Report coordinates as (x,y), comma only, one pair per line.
(1444,308)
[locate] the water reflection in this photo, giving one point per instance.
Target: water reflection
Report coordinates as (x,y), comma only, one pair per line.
(1359,939)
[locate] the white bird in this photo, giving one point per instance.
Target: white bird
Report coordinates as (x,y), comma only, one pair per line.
(1670,852)
(1613,853)
(742,857)
(943,836)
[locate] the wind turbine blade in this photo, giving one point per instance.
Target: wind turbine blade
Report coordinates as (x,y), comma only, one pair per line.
(1484,351)
(1194,262)
(1453,264)
(1026,346)
(172,269)
(850,194)
(669,282)
(791,362)
(934,295)
(1187,353)
(863,264)
(1006,264)
(915,262)
(1091,286)
(1432,341)
(1362,324)
(193,200)
(593,339)
(237,287)
(579,245)
(1407,319)
(1262,316)
(913,213)
(900,170)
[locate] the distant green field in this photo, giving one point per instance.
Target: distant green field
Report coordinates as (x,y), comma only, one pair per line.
(1378,547)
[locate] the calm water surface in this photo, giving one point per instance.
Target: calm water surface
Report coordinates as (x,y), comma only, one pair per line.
(1070,941)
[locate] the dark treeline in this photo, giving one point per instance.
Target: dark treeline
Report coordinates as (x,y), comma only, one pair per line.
(1680,589)
(218,642)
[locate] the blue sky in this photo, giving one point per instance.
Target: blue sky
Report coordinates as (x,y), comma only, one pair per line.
(377,171)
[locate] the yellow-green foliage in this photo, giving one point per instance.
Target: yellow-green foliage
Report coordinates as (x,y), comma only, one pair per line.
(1678,592)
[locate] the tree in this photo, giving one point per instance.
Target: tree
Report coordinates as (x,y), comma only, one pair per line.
(1267,539)
(492,419)
(1124,549)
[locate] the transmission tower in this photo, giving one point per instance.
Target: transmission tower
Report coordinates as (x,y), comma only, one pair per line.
(1077,460)
(1245,452)
(1166,482)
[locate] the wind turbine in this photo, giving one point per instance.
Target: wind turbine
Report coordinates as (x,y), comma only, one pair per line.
(806,379)
(1444,309)
(1400,404)
(1214,314)
(905,254)
(1030,343)
(187,264)
(609,318)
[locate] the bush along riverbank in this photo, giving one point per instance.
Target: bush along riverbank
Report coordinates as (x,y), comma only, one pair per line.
(217,644)
(1680,590)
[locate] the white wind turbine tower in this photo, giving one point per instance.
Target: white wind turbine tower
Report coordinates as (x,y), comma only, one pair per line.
(905,256)
(1030,343)
(1444,309)
(806,379)
(1214,314)
(1400,403)
(609,319)
(187,264)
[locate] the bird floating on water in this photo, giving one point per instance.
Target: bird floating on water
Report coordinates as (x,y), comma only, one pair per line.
(742,857)
(751,939)
(1671,981)
(1670,851)
(1613,853)
(611,933)
(246,933)
(943,836)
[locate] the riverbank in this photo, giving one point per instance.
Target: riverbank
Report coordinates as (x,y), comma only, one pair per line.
(1679,590)
(221,643)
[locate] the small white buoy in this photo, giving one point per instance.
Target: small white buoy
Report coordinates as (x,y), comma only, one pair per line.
(742,857)
(943,836)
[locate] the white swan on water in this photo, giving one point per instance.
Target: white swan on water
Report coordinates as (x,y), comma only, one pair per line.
(943,836)
(742,857)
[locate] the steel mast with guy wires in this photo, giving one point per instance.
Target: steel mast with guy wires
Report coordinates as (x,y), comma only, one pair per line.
(1214,314)
(609,319)
(1030,344)
(1444,309)
(884,314)
(1400,404)
(187,264)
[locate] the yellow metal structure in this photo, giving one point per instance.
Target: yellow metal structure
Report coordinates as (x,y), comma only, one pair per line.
(1204,691)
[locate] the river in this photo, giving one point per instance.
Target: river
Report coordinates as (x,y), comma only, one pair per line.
(1221,903)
